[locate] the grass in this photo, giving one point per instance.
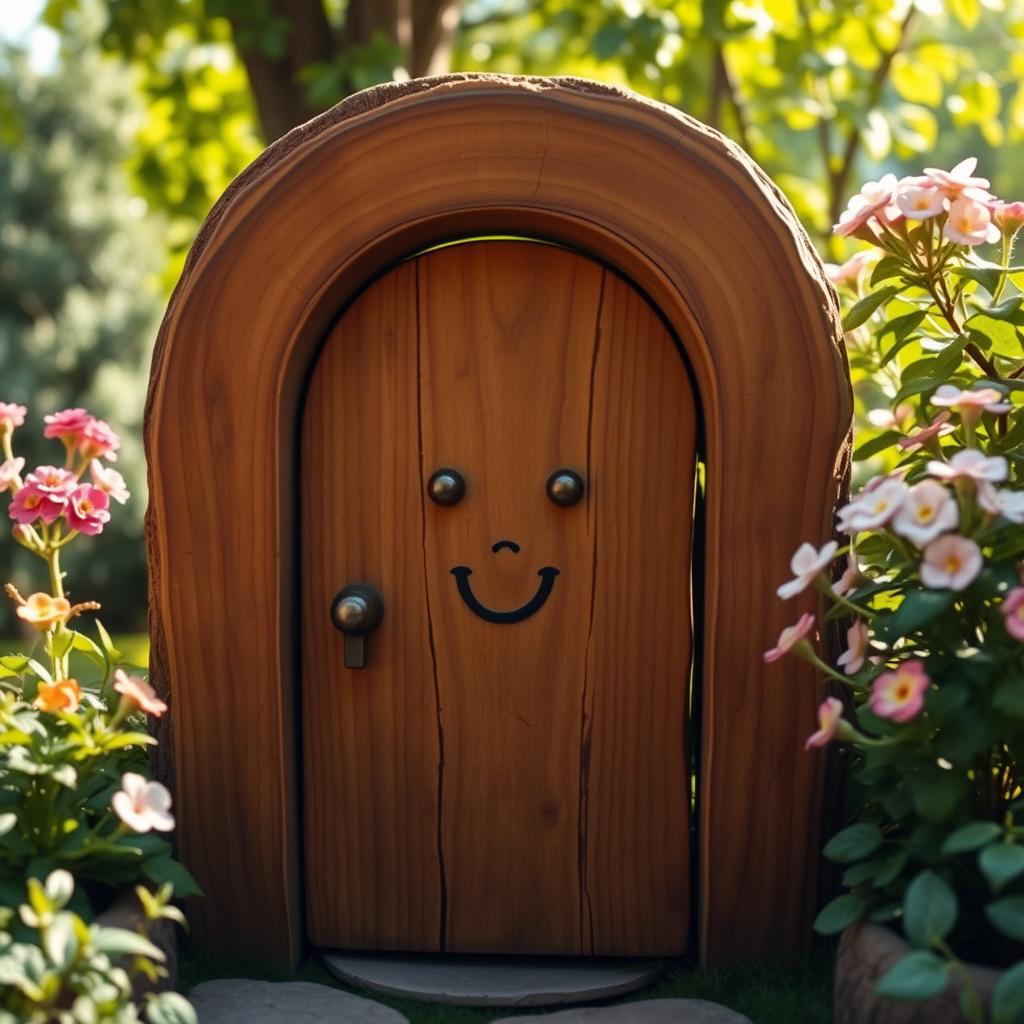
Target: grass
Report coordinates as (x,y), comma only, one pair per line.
(776,991)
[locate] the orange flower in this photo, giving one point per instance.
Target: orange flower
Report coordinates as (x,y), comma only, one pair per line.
(63,695)
(43,611)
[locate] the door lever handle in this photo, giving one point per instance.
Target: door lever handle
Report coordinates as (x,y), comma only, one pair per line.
(356,610)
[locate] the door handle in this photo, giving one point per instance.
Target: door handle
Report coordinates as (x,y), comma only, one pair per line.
(356,610)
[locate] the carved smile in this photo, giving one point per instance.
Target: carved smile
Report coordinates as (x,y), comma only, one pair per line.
(547,581)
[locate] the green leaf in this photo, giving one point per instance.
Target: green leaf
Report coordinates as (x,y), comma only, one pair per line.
(839,914)
(60,942)
(877,444)
(1008,996)
(120,942)
(166,869)
(1001,863)
(919,608)
(108,645)
(929,909)
(853,843)
(936,793)
(860,311)
(971,837)
(887,268)
(170,1008)
(1009,699)
(1007,914)
(919,975)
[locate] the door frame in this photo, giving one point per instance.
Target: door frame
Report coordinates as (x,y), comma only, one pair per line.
(674,207)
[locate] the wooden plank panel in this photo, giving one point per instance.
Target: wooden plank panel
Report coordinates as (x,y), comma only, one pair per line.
(635,783)
(370,737)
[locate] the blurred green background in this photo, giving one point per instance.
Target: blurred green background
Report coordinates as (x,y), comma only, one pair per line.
(121,121)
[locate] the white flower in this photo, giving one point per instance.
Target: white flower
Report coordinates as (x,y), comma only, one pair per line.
(959,178)
(109,480)
(852,658)
(919,202)
(805,565)
(970,223)
(10,472)
(986,399)
(852,576)
(970,464)
(951,562)
(1001,502)
(143,805)
(927,511)
(874,506)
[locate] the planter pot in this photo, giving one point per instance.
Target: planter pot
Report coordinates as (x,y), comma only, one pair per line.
(866,952)
(126,912)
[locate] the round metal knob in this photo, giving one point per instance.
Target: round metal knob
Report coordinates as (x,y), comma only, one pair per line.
(446,487)
(357,609)
(565,487)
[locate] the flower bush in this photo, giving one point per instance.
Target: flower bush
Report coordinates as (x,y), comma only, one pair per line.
(932,677)
(75,804)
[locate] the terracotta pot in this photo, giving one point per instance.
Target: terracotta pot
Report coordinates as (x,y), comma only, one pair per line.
(866,952)
(126,912)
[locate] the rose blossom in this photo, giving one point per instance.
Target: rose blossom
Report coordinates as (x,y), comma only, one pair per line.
(11,416)
(62,695)
(874,506)
(97,440)
(109,480)
(970,223)
(143,805)
(939,427)
(67,424)
(848,272)
(790,637)
(928,510)
(10,474)
(88,510)
(830,712)
(899,695)
(1001,502)
(955,181)
(852,659)
(873,196)
(919,201)
(805,565)
(951,562)
(139,693)
(1013,613)
(970,464)
(43,611)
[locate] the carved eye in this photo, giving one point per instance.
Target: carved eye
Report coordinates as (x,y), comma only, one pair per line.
(446,486)
(565,487)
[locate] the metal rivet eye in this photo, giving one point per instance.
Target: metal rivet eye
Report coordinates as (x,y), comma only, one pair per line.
(446,487)
(565,487)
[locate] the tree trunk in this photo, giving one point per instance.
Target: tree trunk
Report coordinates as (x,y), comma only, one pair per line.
(423,31)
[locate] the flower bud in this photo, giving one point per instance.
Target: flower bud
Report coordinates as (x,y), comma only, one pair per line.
(1009,217)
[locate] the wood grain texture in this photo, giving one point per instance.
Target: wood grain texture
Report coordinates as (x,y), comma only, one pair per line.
(544,791)
(675,208)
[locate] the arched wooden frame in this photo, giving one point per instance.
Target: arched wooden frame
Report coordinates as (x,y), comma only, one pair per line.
(675,207)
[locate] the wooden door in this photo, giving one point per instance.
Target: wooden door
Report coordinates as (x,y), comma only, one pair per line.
(499,786)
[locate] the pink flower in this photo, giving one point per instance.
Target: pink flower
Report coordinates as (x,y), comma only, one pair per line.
(11,416)
(874,506)
(889,419)
(928,510)
(87,511)
(850,271)
(978,399)
(852,659)
(939,427)
(970,464)
(955,181)
(1002,502)
(143,805)
(67,424)
(852,576)
(138,693)
(1013,613)
(26,506)
(10,474)
(951,562)
(1008,217)
(919,202)
(899,695)
(830,713)
(873,197)
(44,496)
(98,441)
(806,565)
(109,480)
(790,637)
(970,223)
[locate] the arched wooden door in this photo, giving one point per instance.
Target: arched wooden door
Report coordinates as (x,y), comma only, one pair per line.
(512,786)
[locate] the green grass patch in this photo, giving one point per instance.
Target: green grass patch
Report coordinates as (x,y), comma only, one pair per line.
(776,991)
